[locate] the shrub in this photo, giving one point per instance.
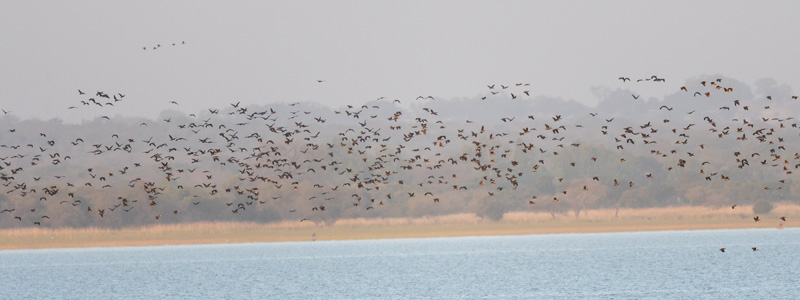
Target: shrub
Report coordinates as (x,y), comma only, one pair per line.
(762,206)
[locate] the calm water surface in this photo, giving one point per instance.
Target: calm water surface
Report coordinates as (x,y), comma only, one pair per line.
(642,265)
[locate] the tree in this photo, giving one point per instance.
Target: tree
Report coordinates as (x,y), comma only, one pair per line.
(492,208)
(553,207)
(762,206)
(703,195)
(584,194)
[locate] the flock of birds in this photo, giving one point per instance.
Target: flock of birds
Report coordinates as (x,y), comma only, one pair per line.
(100,99)
(158,46)
(373,156)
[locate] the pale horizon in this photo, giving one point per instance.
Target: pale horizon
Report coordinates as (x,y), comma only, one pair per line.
(264,53)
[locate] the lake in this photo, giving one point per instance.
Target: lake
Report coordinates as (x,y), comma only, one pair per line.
(631,265)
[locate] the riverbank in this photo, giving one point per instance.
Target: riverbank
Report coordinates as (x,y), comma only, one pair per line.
(513,223)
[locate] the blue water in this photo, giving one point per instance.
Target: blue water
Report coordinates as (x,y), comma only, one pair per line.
(641,265)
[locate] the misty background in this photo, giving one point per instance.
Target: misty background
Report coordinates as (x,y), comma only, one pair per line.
(273,111)
(274,52)
(305,161)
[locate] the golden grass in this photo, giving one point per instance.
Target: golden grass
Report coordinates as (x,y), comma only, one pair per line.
(661,213)
(513,223)
(447,219)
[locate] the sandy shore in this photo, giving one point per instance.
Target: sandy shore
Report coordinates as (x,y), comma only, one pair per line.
(515,223)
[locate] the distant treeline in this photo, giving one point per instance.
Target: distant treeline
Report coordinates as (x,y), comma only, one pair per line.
(712,143)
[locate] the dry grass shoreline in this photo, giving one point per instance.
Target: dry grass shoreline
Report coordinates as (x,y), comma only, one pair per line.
(513,223)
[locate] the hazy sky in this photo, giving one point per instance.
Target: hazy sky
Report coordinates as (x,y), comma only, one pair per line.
(260,53)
